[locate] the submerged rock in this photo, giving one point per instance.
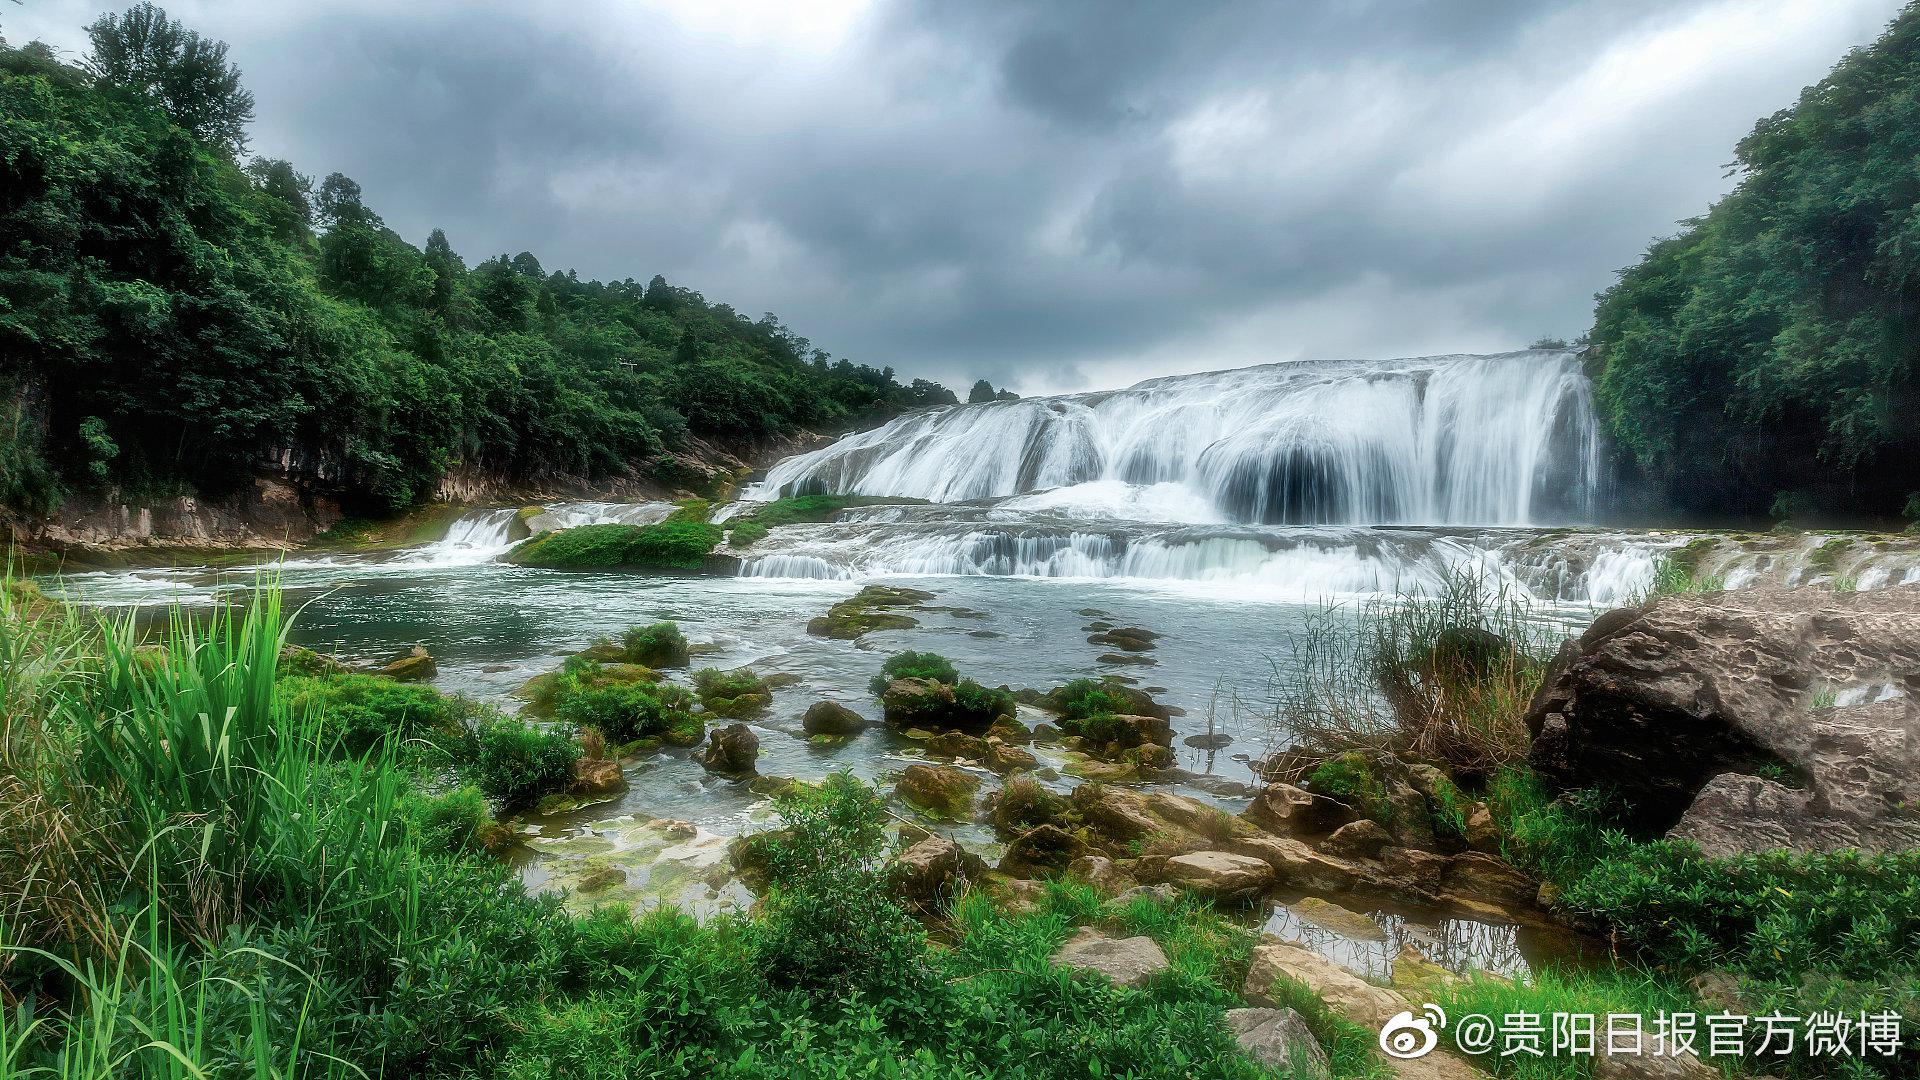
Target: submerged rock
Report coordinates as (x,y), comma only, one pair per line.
(876,607)
(1125,638)
(1745,721)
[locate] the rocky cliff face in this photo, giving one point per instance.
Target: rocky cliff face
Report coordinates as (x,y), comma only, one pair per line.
(273,513)
(1745,721)
(292,500)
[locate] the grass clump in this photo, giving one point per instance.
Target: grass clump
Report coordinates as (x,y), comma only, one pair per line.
(1442,677)
(675,544)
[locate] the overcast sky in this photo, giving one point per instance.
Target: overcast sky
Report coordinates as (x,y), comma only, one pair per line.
(1063,195)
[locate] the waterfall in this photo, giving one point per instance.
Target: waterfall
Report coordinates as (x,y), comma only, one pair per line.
(474,537)
(1467,440)
(479,536)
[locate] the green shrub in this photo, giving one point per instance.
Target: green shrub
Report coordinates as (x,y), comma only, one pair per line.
(362,711)
(517,762)
(659,645)
(627,712)
(451,820)
(829,925)
(745,534)
(1084,698)
(914,665)
(670,545)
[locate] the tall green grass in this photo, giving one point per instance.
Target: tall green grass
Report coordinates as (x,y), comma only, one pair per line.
(1441,675)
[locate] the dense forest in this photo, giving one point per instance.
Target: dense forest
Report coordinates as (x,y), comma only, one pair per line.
(173,319)
(1767,358)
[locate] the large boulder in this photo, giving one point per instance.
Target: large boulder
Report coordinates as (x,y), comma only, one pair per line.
(1280,1040)
(931,872)
(938,789)
(831,718)
(1127,961)
(731,750)
(595,778)
(1746,720)
(1219,875)
(1294,811)
(1346,993)
(417,666)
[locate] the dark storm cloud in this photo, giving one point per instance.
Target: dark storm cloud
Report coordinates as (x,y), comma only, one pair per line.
(1081,192)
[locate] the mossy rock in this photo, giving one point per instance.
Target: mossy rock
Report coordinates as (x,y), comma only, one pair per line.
(875,607)
(938,789)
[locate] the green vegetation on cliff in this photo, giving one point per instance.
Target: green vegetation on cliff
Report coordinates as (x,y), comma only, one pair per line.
(1764,358)
(175,319)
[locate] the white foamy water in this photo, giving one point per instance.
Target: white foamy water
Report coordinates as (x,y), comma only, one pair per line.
(476,536)
(1481,440)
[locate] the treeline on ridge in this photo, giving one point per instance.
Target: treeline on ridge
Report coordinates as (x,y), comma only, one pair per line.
(172,320)
(1767,358)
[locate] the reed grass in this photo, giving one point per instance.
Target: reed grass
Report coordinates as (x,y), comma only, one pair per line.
(1443,675)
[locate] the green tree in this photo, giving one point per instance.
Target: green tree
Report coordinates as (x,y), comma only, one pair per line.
(1769,348)
(145,51)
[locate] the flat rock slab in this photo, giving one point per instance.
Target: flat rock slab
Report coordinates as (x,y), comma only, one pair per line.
(1129,962)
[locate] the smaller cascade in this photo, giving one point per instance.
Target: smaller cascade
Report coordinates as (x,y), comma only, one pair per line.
(474,537)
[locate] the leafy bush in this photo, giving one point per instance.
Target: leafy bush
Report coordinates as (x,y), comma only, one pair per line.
(659,645)
(517,762)
(627,712)
(914,665)
(362,711)
(829,925)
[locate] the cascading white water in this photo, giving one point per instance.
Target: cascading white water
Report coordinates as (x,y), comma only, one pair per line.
(479,536)
(1481,440)
(474,537)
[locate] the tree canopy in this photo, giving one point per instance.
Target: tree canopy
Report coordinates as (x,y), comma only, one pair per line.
(1765,357)
(171,320)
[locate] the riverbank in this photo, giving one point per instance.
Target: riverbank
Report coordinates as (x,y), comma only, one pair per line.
(1021,826)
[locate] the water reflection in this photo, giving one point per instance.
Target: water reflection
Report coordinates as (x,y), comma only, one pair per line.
(1369,944)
